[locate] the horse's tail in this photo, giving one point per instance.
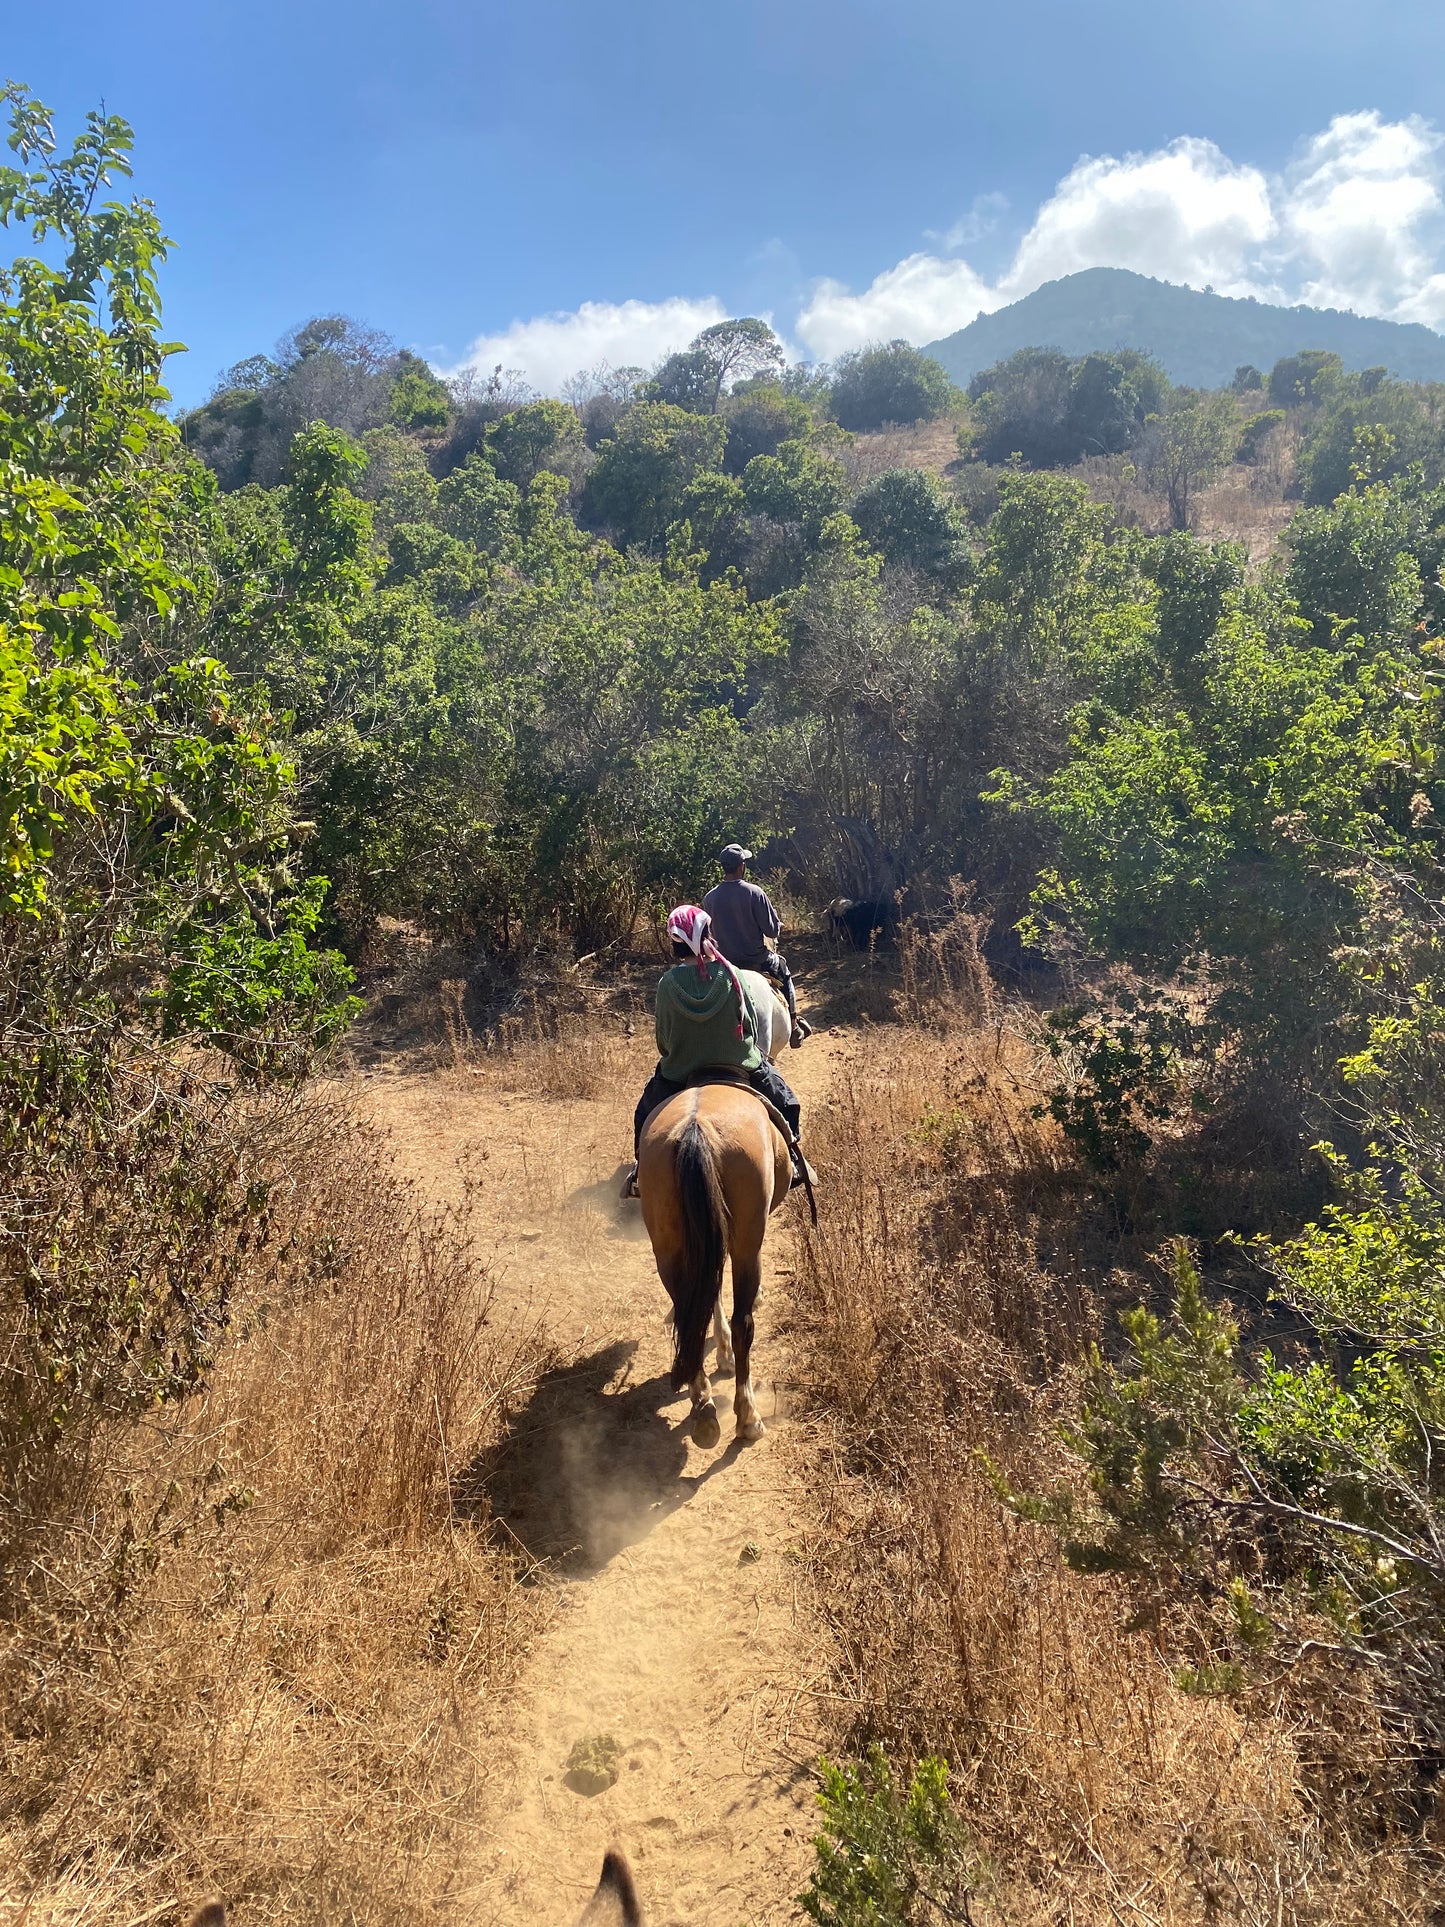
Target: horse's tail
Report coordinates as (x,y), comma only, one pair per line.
(615,1902)
(704,1213)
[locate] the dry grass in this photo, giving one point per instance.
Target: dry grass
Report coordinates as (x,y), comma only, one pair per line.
(249,1647)
(943,1303)
(931,445)
(542,1047)
(1247,504)
(543,1024)
(1236,509)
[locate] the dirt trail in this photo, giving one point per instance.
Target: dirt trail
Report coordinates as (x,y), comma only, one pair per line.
(677,1627)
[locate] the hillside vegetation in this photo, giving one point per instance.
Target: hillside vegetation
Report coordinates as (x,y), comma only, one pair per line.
(350,647)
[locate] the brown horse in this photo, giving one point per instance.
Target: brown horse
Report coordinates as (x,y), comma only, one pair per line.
(711,1166)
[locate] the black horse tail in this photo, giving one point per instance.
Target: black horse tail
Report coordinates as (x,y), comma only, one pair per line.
(615,1902)
(704,1247)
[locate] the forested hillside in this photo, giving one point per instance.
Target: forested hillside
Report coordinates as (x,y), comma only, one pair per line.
(1198,336)
(350,644)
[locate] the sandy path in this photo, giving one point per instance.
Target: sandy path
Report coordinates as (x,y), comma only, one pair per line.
(677,1627)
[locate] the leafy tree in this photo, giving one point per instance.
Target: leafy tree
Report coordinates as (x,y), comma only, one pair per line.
(1052,409)
(686,379)
(1021,406)
(797,485)
(761,416)
(1111,397)
(1219,808)
(716,510)
(1187,446)
(644,470)
(728,351)
(538,435)
(889,382)
(1298,381)
(1372,431)
(866,713)
(1256,434)
(618,671)
(418,399)
(1037,587)
(144,811)
(1247,379)
(738,350)
(1197,584)
(1359,567)
(396,479)
(906,516)
(476,506)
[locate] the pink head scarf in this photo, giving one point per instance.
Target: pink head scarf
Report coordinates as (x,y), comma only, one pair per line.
(687,924)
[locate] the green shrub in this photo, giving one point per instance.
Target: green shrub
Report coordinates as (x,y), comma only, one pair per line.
(1257,431)
(146,815)
(887,1855)
(889,382)
(1122,1069)
(1288,1494)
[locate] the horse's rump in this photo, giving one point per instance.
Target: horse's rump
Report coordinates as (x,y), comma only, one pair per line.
(773,1024)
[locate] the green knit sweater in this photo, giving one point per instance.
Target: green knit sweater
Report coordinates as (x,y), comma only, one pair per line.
(697,1022)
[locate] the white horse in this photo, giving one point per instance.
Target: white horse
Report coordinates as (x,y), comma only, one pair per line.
(770,1014)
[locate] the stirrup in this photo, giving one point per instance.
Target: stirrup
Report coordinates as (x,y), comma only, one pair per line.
(802,1030)
(629,1186)
(803,1172)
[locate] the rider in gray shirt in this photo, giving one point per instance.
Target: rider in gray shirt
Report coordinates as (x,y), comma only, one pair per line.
(744,923)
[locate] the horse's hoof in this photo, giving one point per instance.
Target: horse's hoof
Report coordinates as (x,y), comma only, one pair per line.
(751,1430)
(706,1428)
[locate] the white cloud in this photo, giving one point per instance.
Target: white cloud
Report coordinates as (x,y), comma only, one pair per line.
(1361,212)
(551,347)
(922,298)
(1357,220)
(984,214)
(1186,213)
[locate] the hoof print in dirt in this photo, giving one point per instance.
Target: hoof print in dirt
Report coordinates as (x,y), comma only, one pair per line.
(592,1764)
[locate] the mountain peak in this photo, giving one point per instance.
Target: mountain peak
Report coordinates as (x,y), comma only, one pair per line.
(1199,336)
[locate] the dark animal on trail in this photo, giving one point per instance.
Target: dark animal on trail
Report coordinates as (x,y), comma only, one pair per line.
(853,922)
(614,1904)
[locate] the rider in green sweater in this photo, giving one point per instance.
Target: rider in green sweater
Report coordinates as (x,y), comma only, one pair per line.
(704,1019)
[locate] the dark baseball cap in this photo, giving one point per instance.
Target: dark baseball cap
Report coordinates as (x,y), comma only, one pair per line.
(732,855)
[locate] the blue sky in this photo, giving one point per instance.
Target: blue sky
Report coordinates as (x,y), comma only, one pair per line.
(456,173)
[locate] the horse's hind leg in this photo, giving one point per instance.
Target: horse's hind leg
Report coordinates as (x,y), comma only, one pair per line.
(722,1334)
(706,1428)
(747,1277)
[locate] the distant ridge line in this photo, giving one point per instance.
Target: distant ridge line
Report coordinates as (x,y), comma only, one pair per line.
(1200,337)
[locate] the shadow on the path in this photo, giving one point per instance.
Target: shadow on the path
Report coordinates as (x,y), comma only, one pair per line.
(582,1471)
